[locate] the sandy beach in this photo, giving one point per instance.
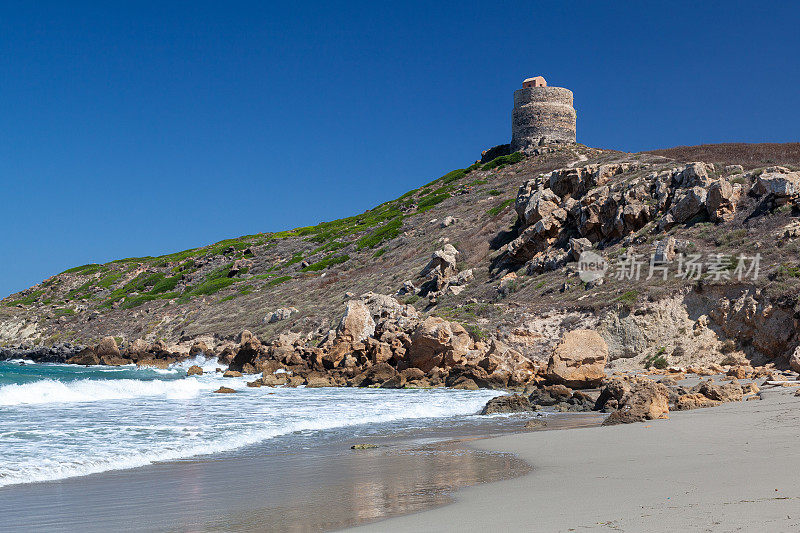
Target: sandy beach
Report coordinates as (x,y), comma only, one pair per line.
(729,468)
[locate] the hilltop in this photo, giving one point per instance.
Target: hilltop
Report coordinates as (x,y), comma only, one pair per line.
(517,223)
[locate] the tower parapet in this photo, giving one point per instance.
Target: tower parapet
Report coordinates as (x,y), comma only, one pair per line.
(541,115)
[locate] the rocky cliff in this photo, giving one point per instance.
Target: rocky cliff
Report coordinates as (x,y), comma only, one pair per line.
(475,270)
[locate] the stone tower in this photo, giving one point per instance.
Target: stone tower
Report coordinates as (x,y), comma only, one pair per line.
(541,115)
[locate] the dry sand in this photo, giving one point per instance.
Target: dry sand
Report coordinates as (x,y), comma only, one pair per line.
(731,468)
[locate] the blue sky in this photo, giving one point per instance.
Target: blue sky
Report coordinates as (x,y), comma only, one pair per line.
(143,128)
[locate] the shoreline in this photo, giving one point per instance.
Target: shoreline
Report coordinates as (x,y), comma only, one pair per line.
(278,486)
(731,467)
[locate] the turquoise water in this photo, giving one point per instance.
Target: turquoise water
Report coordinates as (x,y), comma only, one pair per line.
(62,421)
(21,372)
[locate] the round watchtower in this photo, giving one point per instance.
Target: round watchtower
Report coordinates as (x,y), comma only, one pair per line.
(541,115)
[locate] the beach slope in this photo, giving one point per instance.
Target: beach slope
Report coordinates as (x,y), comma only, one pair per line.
(729,468)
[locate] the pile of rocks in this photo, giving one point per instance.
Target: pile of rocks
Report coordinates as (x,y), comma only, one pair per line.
(558,208)
(380,342)
(440,274)
(140,352)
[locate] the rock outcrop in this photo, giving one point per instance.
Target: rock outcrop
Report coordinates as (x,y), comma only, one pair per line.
(636,402)
(507,404)
(579,360)
(437,342)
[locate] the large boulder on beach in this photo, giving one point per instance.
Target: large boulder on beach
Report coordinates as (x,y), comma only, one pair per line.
(375,375)
(721,392)
(509,403)
(579,360)
(694,400)
(84,357)
(645,400)
(435,340)
(357,323)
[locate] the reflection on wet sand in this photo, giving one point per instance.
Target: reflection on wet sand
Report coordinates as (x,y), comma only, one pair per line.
(276,486)
(375,484)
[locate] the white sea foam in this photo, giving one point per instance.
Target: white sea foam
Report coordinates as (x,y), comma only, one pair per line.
(58,429)
(208,364)
(89,390)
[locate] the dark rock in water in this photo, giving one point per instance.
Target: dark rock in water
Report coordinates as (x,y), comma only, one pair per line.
(562,398)
(85,357)
(507,404)
(110,360)
(58,353)
(224,390)
(375,375)
(465,383)
(318,379)
(363,446)
(232,374)
(194,370)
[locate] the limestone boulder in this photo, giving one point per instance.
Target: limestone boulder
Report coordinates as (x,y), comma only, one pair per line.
(357,323)
(539,205)
(248,352)
(199,348)
(690,204)
(375,375)
(694,400)
(664,250)
(721,392)
(578,246)
(721,200)
(794,360)
(694,175)
(283,313)
(274,380)
(647,400)
(448,221)
(442,263)
(84,357)
(336,354)
(107,347)
(318,379)
(383,306)
(433,339)
(780,182)
(138,349)
(579,360)
(509,403)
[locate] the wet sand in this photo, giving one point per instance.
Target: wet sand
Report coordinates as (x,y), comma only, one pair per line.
(277,486)
(729,468)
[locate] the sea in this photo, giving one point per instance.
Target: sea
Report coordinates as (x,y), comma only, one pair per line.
(64,421)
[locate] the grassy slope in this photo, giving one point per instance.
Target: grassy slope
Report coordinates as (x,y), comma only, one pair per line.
(193,291)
